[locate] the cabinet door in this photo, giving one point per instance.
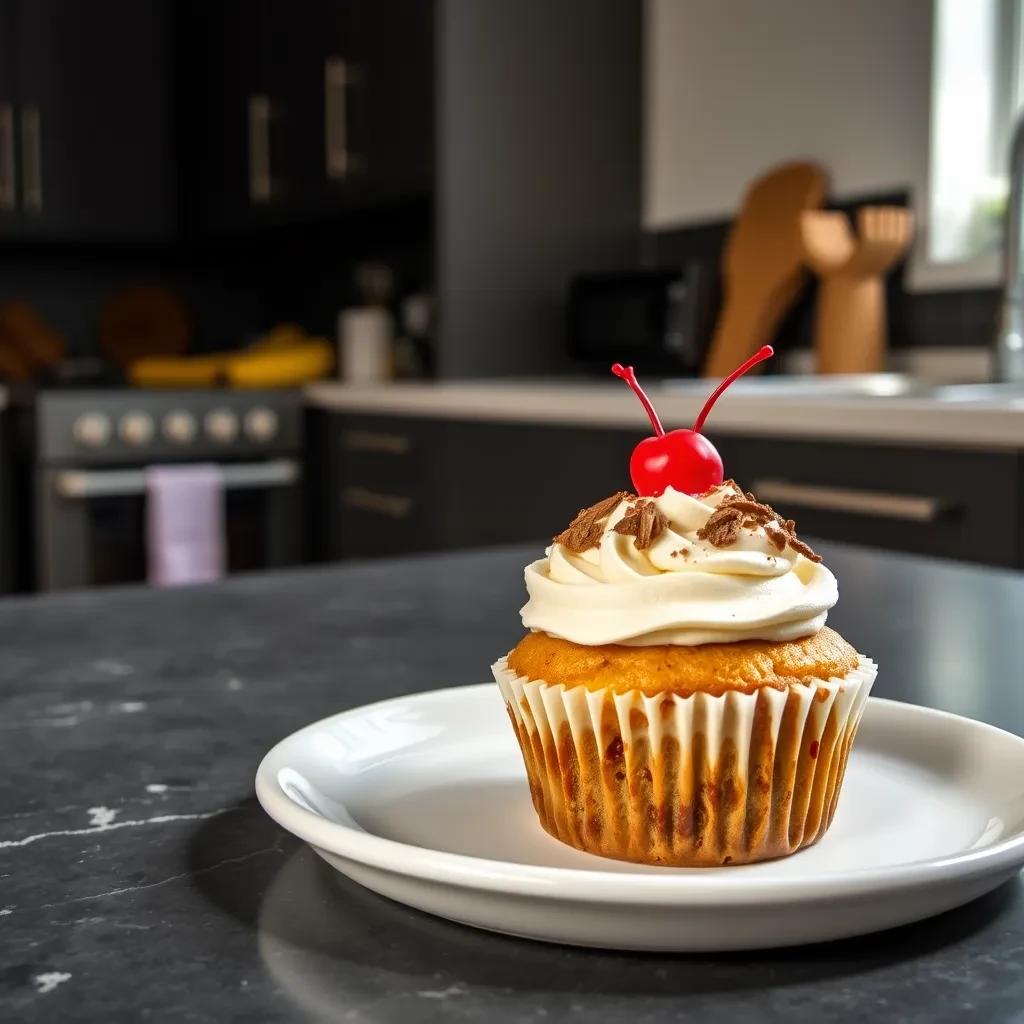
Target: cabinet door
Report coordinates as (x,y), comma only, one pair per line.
(95,119)
(232,120)
(310,71)
(391,101)
(353,84)
(301,111)
(386,486)
(8,119)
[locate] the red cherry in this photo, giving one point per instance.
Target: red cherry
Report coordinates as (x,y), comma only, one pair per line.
(683,459)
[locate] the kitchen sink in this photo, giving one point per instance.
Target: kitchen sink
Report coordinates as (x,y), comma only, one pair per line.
(996,391)
(861,385)
(775,387)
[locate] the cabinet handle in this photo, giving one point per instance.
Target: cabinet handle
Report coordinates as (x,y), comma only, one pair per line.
(259,149)
(31,160)
(395,506)
(370,441)
(875,504)
(8,199)
(336,79)
(339,77)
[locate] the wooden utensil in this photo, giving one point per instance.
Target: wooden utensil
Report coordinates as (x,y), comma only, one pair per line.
(762,265)
(38,344)
(850,319)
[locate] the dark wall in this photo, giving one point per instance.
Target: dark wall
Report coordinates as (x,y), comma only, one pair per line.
(539,171)
(233,290)
(225,304)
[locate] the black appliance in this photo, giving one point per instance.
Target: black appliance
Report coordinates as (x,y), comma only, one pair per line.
(657,320)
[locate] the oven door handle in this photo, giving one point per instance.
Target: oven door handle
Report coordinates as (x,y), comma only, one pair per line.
(112,483)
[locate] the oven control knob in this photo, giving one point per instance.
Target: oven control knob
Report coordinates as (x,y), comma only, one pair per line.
(179,427)
(261,424)
(91,430)
(136,428)
(221,425)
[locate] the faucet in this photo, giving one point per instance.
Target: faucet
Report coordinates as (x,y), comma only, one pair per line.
(1009,346)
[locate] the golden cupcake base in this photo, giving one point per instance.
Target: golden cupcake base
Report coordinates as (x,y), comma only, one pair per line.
(696,780)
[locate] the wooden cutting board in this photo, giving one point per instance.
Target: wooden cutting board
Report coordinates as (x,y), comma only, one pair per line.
(762,267)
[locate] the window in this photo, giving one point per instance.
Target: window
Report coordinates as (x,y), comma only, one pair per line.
(976,96)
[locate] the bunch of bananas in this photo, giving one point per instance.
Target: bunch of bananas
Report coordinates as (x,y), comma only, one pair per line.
(286,356)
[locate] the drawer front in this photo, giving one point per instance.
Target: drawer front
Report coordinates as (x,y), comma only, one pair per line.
(385,481)
(373,522)
(394,450)
(955,504)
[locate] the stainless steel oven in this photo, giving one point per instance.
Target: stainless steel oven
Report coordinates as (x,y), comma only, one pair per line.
(91,452)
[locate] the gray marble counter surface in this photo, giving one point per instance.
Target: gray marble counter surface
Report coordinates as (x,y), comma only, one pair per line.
(139,879)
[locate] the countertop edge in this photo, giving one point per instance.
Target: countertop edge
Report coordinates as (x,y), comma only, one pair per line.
(995,425)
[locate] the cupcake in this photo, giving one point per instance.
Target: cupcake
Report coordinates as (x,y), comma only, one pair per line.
(679,699)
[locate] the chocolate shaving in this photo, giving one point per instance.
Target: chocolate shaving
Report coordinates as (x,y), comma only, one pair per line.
(644,522)
(722,527)
(744,510)
(776,535)
(754,509)
(803,549)
(584,532)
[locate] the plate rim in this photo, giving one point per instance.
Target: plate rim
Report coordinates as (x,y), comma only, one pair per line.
(694,887)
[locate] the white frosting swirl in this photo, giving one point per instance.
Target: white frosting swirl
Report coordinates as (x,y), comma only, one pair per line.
(681,589)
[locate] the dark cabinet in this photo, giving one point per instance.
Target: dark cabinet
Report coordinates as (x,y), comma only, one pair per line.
(86,119)
(305,111)
(230,126)
(952,503)
(8,119)
(403,484)
(396,484)
(127,120)
(389,101)
(383,484)
(510,482)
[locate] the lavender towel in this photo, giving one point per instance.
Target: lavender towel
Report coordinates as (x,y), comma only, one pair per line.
(184,524)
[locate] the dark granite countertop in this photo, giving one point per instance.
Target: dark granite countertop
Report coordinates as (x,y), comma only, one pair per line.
(139,879)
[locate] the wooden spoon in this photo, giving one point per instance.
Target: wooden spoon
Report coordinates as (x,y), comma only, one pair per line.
(762,263)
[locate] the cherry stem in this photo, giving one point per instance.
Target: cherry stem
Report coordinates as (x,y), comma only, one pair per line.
(629,376)
(765,352)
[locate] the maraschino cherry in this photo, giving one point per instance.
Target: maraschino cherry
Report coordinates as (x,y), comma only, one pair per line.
(683,459)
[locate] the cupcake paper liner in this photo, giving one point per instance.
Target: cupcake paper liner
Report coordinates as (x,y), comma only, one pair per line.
(693,781)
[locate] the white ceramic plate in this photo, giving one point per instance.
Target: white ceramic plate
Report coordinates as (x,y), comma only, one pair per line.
(424,799)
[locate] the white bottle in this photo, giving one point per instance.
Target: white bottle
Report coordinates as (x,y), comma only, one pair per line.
(365,338)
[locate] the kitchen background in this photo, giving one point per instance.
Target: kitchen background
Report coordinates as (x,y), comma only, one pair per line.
(284,283)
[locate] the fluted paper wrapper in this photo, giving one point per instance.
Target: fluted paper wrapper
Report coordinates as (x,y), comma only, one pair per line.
(694,781)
